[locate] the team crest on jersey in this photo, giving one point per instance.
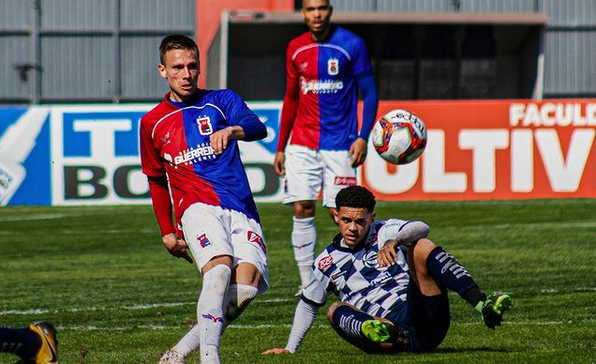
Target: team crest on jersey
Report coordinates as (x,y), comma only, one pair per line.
(203,240)
(325,262)
(205,127)
(370,259)
(332,66)
(255,238)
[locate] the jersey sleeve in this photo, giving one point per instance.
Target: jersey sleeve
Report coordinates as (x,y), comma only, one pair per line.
(151,162)
(290,103)
(238,113)
(405,232)
(361,61)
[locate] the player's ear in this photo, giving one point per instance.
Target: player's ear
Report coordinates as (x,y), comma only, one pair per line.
(162,70)
(335,215)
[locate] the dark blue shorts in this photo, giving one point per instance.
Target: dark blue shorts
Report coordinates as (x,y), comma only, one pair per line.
(426,318)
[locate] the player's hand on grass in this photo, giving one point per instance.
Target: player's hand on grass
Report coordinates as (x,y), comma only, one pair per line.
(387,254)
(358,152)
(276,351)
(278,164)
(176,246)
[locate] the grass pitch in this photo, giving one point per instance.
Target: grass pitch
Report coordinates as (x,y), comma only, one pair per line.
(101,275)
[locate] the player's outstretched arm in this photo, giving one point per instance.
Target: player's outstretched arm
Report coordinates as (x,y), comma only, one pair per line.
(304,316)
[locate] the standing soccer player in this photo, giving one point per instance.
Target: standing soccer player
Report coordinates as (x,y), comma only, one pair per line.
(325,67)
(189,152)
(391,282)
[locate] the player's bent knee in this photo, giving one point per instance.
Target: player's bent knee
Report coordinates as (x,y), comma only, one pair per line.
(422,248)
(304,209)
(332,309)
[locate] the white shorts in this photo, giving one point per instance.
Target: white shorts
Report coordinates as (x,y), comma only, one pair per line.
(210,231)
(309,170)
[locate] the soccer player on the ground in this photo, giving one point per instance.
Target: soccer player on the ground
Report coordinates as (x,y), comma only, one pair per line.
(35,344)
(189,152)
(325,68)
(391,282)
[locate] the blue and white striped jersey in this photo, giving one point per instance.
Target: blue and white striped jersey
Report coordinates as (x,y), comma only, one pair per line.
(354,276)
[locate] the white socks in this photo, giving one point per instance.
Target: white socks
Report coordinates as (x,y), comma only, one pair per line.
(304,243)
(238,297)
(210,312)
(189,342)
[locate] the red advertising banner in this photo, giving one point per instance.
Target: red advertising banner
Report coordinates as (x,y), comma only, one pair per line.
(481,150)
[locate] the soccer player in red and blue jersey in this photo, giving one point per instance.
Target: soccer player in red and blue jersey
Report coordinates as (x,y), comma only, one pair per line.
(189,152)
(319,145)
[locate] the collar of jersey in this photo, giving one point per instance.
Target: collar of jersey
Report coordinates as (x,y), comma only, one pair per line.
(338,239)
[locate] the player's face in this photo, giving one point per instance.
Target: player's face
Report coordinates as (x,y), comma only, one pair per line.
(317,16)
(353,223)
(181,70)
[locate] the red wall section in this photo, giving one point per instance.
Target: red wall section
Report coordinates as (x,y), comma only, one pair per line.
(209,16)
(513,149)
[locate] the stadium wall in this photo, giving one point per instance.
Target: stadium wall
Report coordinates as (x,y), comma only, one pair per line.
(513,149)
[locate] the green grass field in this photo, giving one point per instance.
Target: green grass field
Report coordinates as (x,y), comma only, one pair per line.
(117,297)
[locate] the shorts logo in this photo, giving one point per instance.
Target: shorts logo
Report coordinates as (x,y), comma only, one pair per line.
(204,124)
(345,181)
(325,262)
(332,66)
(203,240)
(255,238)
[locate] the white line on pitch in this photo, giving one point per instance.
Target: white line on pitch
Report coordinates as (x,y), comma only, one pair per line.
(133,307)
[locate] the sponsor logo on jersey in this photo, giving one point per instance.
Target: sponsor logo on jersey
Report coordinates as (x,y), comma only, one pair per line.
(303,67)
(332,66)
(203,240)
(255,238)
(320,86)
(202,152)
(204,124)
(344,181)
(325,262)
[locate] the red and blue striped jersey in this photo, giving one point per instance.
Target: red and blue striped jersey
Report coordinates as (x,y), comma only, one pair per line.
(325,73)
(175,141)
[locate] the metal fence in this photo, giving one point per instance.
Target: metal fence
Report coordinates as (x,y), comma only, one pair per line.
(86,50)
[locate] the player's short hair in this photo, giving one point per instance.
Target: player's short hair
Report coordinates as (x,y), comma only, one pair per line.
(328,3)
(356,196)
(176,41)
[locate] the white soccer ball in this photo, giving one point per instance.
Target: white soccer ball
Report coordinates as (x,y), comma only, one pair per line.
(399,136)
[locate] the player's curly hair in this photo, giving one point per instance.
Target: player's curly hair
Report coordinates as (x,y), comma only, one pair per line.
(177,41)
(356,196)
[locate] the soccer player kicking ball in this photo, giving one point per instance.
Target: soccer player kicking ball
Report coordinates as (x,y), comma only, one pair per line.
(391,282)
(35,344)
(189,152)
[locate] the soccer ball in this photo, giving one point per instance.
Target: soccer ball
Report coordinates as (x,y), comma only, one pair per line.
(399,136)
